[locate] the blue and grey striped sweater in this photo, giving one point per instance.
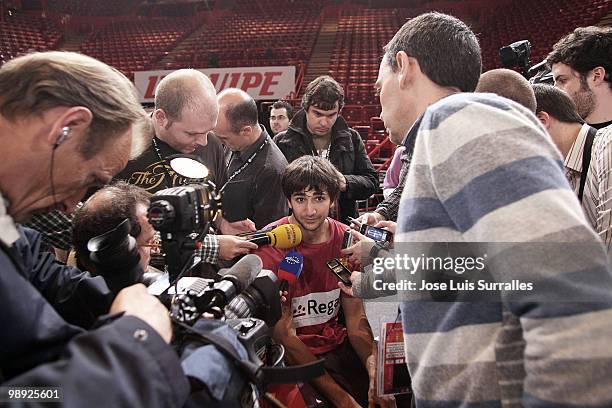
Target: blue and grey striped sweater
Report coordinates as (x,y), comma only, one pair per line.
(484,171)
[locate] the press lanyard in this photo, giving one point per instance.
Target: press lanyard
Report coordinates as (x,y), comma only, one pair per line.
(244,166)
(168,177)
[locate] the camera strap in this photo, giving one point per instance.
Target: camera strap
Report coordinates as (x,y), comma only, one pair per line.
(260,375)
(586,160)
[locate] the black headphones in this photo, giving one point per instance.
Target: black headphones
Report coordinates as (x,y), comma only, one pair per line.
(62,137)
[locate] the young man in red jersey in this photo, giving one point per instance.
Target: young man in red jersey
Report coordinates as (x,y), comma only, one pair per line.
(321,321)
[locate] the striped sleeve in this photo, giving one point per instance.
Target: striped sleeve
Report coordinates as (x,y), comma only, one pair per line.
(503,182)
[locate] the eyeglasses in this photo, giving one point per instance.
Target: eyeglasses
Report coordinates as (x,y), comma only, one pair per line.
(154,242)
(151,245)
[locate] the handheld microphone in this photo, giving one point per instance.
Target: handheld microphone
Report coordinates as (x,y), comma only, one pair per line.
(284,236)
(290,269)
(243,272)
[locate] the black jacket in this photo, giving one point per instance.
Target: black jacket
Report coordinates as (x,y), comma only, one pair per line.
(256,192)
(347,153)
(46,306)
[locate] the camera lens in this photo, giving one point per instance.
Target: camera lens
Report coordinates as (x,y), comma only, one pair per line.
(160,213)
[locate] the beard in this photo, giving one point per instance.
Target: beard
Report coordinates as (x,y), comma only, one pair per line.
(584,99)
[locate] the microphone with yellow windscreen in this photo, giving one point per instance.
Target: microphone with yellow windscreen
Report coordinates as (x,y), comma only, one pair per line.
(284,236)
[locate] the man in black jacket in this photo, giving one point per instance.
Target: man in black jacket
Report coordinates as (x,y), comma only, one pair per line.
(67,123)
(319,130)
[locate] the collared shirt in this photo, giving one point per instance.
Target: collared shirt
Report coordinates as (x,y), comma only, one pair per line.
(8,231)
(55,228)
(597,198)
(573,160)
(238,158)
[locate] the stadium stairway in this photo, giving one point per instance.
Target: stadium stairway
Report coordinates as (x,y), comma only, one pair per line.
(606,21)
(73,42)
(182,46)
(321,54)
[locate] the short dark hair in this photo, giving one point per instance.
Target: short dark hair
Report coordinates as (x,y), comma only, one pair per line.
(584,49)
(311,171)
(241,114)
(93,219)
(556,103)
(509,84)
(323,93)
(280,104)
(445,47)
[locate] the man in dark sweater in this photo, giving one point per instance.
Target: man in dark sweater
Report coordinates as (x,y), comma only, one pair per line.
(253,190)
(83,133)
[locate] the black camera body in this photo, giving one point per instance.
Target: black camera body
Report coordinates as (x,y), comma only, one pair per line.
(184,209)
(516,54)
(254,335)
(183,216)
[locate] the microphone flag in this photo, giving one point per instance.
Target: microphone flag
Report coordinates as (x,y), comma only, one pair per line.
(291,266)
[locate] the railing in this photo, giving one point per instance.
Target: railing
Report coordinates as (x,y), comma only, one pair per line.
(382,145)
(299,80)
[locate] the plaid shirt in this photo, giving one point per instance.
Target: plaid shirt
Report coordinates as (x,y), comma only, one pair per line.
(209,251)
(55,228)
(56,231)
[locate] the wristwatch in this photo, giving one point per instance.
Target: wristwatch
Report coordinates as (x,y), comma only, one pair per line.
(377,247)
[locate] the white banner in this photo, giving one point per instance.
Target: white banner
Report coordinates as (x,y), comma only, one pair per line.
(259,82)
(315,308)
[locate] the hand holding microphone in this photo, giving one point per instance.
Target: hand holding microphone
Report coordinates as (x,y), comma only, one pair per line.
(284,236)
(290,269)
(231,246)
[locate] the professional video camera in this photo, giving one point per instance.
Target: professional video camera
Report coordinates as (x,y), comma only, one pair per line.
(518,54)
(245,296)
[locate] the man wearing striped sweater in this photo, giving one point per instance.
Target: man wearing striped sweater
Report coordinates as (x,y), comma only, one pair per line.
(484,171)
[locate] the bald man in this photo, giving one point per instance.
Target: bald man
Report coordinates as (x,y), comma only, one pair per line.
(255,166)
(185,112)
(509,84)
